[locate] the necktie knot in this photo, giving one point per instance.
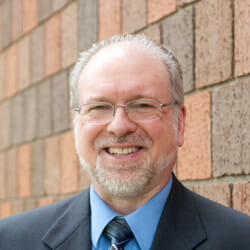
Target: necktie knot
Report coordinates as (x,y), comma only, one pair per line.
(118,232)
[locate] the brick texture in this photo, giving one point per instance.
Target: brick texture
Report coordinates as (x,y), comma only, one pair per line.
(1,28)
(109,18)
(11,71)
(184,2)
(60,104)
(17,206)
(153,32)
(6,23)
(53,45)
(11,173)
(3,163)
(17,19)
(37,167)
(17,121)
(69,35)
(29,204)
(24,170)
(37,54)
(30,114)
(88,23)
(5,123)
(194,160)
(178,36)
(241,194)
(69,175)
(2,76)
(52,165)
(242,37)
(217,192)
(44,9)
(23,65)
(30,14)
(213,40)
(230,133)
(44,108)
(6,209)
(160,8)
(133,15)
(58,4)
(44,201)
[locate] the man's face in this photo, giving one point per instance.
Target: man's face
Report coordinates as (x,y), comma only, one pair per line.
(127,158)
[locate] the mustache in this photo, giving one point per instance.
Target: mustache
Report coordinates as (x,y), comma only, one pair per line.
(138,140)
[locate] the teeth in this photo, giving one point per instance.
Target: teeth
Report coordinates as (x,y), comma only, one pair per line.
(122,151)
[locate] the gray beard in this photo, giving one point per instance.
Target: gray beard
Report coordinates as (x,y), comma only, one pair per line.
(114,183)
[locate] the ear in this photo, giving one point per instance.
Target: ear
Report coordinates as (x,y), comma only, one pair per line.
(181,126)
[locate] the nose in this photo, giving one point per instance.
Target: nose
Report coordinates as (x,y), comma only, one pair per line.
(121,125)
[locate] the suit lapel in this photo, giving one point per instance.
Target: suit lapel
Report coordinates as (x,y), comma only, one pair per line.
(72,229)
(180,226)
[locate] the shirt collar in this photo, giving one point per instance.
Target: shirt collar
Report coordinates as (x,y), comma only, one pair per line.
(143,229)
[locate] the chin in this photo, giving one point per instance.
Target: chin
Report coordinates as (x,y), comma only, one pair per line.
(127,180)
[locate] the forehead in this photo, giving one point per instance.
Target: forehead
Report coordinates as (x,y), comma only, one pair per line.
(123,72)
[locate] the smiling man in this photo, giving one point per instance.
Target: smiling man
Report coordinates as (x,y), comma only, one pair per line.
(129,121)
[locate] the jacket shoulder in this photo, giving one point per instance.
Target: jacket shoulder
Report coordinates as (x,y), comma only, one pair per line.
(222,224)
(30,226)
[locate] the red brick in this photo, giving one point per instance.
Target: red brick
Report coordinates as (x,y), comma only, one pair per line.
(17,19)
(133,15)
(160,8)
(53,45)
(109,18)
(2,175)
(69,175)
(6,209)
(242,37)
(44,201)
(69,34)
(213,42)
(52,165)
(23,72)
(219,192)
(30,15)
(11,173)
(11,71)
(2,75)
(194,160)
(24,170)
(241,197)
(153,32)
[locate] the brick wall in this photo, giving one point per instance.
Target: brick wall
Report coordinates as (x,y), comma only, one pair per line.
(39,42)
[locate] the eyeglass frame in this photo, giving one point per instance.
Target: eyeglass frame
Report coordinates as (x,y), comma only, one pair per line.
(114,106)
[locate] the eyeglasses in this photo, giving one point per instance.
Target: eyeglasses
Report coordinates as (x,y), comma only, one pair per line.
(142,110)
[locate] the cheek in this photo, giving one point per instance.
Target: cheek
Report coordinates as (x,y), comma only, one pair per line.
(86,138)
(163,138)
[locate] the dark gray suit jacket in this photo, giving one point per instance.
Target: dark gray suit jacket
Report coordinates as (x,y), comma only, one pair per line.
(188,221)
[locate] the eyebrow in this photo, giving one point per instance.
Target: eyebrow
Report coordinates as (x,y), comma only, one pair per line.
(133,97)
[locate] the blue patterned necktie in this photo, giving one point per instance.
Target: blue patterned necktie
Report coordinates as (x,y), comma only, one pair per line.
(118,232)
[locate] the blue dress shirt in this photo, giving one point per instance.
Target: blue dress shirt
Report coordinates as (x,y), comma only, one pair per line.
(143,222)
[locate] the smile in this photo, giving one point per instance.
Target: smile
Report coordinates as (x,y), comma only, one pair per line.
(122,151)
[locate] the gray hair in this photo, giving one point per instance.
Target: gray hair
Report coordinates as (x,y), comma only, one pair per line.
(157,50)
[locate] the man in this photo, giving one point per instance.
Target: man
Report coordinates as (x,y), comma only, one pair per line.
(129,122)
